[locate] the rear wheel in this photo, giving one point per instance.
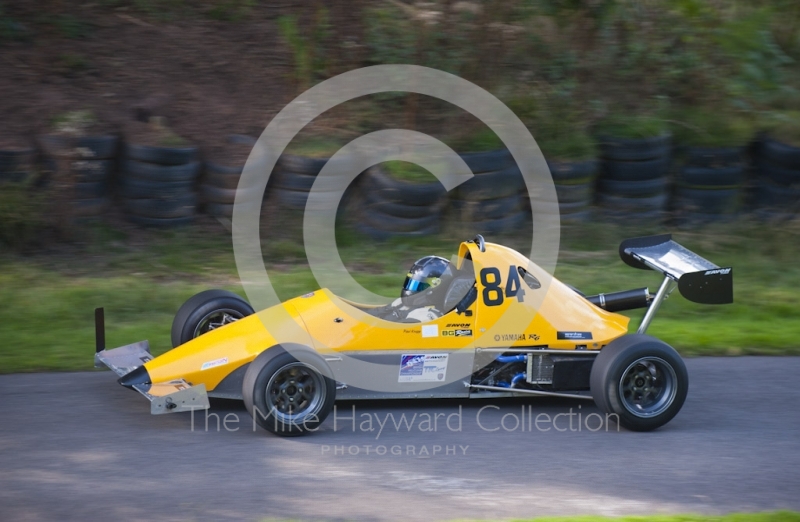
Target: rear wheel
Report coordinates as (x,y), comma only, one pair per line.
(640,380)
(207,311)
(287,393)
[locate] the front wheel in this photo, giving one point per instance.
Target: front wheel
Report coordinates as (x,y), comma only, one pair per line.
(640,380)
(289,393)
(207,311)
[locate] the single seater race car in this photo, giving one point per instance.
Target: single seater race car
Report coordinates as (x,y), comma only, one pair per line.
(500,326)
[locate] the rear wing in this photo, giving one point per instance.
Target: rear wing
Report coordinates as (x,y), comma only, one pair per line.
(699,280)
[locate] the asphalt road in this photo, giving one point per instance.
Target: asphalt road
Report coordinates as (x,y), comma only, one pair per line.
(76,446)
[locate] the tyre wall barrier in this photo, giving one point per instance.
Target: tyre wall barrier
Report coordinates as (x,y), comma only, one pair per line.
(157,184)
(574,182)
(633,181)
(778,180)
(91,162)
(492,201)
(220,182)
(388,207)
(710,184)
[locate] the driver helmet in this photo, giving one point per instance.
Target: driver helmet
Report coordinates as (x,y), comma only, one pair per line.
(424,280)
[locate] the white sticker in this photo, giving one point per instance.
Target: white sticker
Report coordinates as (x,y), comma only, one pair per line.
(430,330)
(430,367)
(214,364)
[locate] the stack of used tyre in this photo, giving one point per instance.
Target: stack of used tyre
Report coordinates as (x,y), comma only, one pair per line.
(157,184)
(634,182)
(574,182)
(17,163)
(709,184)
(223,168)
(492,201)
(88,163)
(292,179)
(391,207)
(778,168)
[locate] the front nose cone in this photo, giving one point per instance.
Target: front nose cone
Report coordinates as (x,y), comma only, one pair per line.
(137,376)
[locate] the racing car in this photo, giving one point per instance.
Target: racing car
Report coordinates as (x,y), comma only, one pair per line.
(489,323)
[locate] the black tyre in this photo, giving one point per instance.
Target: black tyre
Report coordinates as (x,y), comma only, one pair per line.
(131,187)
(574,193)
(292,180)
(623,149)
(724,201)
(775,196)
(398,224)
(712,177)
(219,209)
(151,171)
(162,208)
(14,162)
(161,155)
(633,204)
(160,222)
(207,311)
(213,194)
(572,172)
(492,161)
(577,217)
(491,185)
(572,208)
(636,189)
(90,190)
(640,380)
(636,170)
(90,206)
(301,164)
(489,208)
(506,225)
(398,191)
(713,157)
(291,199)
(373,202)
(289,393)
(89,171)
(780,175)
(780,154)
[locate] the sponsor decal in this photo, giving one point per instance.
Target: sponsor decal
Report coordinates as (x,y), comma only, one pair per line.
(721,271)
(430,330)
(457,333)
(459,325)
(516,337)
(214,363)
(570,336)
(423,367)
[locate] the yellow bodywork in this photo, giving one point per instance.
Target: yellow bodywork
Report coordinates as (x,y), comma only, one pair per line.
(330,324)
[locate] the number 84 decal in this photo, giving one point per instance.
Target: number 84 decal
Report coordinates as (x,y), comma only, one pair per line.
(493,293)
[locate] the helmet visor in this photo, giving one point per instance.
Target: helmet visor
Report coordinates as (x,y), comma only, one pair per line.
(413,285)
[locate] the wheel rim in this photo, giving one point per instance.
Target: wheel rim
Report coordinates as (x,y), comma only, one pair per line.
(295,392)
(216,319)
(648,387)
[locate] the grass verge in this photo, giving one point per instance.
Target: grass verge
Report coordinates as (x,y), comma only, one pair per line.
(142,278)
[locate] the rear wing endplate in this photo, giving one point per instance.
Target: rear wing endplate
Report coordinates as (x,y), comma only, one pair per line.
(699,280)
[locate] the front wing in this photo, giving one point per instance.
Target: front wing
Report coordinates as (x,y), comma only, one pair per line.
(167,397)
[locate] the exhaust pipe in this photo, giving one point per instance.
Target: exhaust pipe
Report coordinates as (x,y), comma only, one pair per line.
(619,301)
